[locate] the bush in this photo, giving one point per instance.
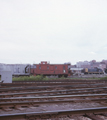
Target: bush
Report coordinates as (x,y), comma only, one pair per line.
(32,78)
(104,78)
(27,78)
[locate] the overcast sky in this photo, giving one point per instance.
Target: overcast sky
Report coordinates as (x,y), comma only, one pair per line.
(58,31)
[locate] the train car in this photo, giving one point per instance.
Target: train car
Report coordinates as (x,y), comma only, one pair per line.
(93,71)
(105,70)
(16,69)
(48,69)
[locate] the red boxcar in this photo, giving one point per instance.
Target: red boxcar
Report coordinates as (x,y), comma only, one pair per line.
(47,69)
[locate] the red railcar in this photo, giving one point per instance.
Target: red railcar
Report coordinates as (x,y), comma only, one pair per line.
(47,69)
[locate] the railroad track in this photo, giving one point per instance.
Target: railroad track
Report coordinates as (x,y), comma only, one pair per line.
(7,106)
(48,98)
(56,92)
(54,100)
(55,114)
(26,88)
(49,83)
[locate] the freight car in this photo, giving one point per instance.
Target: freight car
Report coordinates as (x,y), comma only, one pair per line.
(48,69)
(93,71)
(105,70)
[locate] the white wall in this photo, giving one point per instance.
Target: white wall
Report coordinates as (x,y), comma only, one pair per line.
(6,76)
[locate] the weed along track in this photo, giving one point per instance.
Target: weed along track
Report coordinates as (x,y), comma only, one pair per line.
(52,100)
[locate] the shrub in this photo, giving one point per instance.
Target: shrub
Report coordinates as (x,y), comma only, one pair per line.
(27,78)
(38,77)
(103,78)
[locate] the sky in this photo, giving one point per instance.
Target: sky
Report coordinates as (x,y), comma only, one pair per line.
(58,31)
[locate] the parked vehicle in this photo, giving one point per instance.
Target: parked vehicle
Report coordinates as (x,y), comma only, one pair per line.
(48,69)
(93,71)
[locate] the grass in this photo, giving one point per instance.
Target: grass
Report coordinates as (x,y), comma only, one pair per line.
(32,78)
(27,78)
(103,78)
(44,78)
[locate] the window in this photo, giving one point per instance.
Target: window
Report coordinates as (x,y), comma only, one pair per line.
(55,67)
(18,70)
(63,67)
(47,67)
(35,66)
(39,67)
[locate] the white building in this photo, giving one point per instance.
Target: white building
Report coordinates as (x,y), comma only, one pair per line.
(84,64)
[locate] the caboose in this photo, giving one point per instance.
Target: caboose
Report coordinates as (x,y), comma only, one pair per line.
(47,69)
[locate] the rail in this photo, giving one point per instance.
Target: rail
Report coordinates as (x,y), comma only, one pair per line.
(56,113)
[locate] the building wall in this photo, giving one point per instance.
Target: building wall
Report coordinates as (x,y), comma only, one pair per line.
(6,76)
(83,64)
(91,64)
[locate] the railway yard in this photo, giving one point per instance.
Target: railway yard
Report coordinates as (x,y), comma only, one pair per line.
(67,99)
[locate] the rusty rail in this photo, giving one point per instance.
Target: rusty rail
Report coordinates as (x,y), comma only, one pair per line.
(53,114)
(53,97)
(52,87)
(58,92)
(32,103)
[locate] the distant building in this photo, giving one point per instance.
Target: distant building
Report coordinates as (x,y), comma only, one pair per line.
(92,64)
(84,64)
